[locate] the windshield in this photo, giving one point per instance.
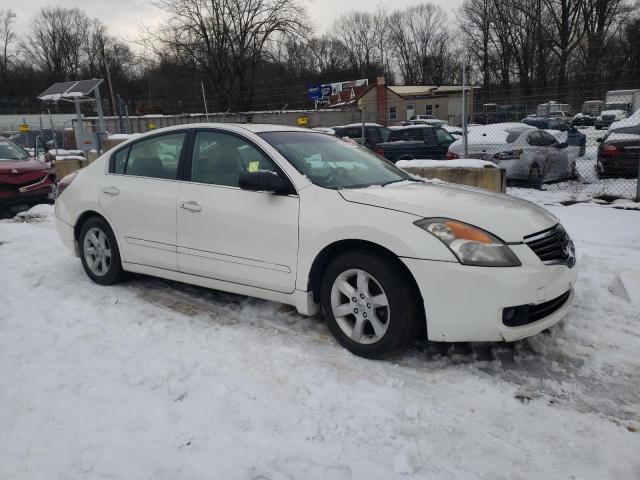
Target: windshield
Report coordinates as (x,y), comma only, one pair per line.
(333,163)
(616,106)
(11,151)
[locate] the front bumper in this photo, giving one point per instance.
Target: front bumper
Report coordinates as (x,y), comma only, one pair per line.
(465,304)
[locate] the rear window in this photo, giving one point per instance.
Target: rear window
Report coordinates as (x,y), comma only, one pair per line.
(513,136)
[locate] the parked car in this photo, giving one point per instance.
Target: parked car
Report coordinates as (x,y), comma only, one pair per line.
(575,137)
(289,215)
(619,153)
(24,181)
(527,153)
(415,142)
(374,133)
(583,120)
(562,116)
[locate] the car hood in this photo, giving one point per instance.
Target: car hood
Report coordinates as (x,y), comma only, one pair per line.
(507,217)
(19,171)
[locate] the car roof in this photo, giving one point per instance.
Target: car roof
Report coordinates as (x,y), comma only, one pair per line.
(413,127)
(353,125)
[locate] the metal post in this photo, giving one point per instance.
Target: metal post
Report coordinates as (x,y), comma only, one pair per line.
(638,185)
(79,130)
(55,134)
(363,126)
(464,110)
(204,100)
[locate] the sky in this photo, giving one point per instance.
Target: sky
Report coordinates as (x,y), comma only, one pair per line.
(125,17)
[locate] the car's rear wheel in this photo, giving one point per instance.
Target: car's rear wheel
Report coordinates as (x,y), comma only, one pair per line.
(370,305)
(99,252)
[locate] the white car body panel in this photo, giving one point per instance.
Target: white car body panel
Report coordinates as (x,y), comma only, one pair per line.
(264,245)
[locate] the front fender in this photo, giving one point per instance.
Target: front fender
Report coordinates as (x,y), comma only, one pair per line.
(340,220)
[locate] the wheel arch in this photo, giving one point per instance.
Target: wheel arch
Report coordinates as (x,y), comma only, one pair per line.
(331,251)
(82,218)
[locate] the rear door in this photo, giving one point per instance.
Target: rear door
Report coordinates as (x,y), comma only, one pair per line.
(139,197)
(230,234)
(556,158)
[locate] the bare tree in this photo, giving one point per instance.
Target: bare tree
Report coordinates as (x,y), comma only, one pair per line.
(475,20)
(56,41)
(226,39)
(415,35)
(565,32)
(7,37)
(356,32)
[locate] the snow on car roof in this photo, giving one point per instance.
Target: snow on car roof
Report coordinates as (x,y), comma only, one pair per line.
(352,125)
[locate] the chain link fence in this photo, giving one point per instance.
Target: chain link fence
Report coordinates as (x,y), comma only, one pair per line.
(587,145)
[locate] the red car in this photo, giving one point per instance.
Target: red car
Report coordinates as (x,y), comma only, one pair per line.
(24,180)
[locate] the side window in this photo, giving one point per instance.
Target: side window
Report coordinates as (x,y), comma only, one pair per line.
(444,137)
(120,161)
(157,157)
(535,139)
(372,135)
(548,139)
(220,158)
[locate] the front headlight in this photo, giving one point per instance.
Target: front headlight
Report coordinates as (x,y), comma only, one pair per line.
(470,245)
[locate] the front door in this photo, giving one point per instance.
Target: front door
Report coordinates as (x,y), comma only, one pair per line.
(139,198)
(229,234)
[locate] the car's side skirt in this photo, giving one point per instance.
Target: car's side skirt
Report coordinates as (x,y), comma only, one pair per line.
(302,301)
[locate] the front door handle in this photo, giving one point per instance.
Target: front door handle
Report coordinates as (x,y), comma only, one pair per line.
(191,206)
(111,191)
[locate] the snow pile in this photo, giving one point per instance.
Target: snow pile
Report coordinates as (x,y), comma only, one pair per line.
(153,379)
(459,163)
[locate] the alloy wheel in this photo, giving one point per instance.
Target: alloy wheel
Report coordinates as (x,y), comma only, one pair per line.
(97,251)
(360,306)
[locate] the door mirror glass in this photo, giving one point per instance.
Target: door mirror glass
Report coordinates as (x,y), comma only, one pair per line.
(263,181)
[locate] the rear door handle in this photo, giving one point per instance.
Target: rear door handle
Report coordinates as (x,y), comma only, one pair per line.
(111,191)
(191,206)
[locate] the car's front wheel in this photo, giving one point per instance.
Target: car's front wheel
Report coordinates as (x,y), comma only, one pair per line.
(100,255)
(371,305)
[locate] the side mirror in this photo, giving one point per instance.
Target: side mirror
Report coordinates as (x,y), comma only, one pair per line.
(263,181)
(599,139)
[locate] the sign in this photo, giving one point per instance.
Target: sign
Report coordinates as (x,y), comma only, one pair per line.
(326,91)
(314,92)
(303,121)
(151,126)
(24,128)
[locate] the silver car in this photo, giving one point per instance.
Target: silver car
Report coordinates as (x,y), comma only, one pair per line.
(526,153)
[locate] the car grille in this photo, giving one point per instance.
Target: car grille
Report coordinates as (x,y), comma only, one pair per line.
(16,186)
(526,314)
(553,246)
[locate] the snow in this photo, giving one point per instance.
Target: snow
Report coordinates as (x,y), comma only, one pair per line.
(154,379)
(123,136)
(459,163)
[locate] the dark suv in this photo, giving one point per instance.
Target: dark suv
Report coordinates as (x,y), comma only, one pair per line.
(416,142)
(374,133)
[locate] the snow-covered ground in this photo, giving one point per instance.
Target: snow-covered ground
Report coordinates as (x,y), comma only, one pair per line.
(157,380)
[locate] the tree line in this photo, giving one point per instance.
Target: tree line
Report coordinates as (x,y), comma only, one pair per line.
(261,54)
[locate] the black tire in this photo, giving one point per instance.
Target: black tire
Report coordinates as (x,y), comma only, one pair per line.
(535,176)
(114,273)
(574,172)
(406,321)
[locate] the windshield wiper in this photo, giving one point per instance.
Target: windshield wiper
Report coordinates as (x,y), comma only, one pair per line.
(401,180)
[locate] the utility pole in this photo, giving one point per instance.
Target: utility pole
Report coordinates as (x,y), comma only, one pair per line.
(113,98)
(204,99)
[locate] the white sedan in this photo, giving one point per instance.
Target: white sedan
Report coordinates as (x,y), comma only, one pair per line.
(526,153)
(299,217)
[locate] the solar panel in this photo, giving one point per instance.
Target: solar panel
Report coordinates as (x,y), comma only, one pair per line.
(86,86)
(79,88)
(57,89)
